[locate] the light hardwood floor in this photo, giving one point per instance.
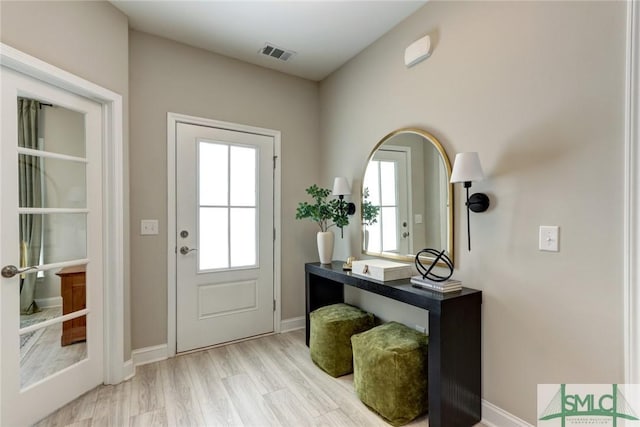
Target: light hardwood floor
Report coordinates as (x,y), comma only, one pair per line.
(269,381)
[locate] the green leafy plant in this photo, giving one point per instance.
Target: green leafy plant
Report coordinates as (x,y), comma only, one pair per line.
(369,210)
(326,213)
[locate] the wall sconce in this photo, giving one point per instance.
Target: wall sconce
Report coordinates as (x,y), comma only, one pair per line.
(341,188)
(467,168)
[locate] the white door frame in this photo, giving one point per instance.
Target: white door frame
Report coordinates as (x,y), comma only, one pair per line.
(113,199)
(632,199)
(409,188)
(172,120)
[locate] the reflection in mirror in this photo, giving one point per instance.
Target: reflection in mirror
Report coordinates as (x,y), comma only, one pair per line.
(52,172)
(407,198)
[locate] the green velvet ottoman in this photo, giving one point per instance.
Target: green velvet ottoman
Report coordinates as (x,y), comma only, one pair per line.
(390,371)
(330,336)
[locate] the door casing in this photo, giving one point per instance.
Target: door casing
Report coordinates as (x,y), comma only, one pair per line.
(172,120)
(115,367)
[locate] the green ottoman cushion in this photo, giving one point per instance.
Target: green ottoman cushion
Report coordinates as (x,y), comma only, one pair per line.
(330,336)
(390,371)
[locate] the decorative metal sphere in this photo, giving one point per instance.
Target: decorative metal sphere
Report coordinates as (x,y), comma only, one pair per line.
(426,272)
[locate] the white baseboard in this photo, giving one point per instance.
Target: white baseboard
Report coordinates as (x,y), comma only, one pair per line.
(49,302)
(293,324)
(128,370)
(145,355)
(493,416)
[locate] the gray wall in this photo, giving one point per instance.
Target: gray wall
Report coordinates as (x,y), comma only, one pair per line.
(171,77)
(88,39)
(538,89)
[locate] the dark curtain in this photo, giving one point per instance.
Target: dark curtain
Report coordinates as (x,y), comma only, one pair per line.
(30,188)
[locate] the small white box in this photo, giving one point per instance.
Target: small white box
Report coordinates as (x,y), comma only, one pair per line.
(381,269)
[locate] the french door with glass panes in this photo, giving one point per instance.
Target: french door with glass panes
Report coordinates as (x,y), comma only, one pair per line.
(224,224)
(51,249)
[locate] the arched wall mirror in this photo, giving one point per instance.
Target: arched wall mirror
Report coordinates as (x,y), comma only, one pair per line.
(407,202)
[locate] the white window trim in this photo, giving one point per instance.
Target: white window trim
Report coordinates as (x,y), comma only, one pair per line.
(113,203)
(172,120)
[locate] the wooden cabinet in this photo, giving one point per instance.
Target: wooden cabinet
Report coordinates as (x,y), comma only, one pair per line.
(74,297)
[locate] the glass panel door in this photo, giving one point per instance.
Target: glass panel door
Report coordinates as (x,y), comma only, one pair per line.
(52,184)
(51,251)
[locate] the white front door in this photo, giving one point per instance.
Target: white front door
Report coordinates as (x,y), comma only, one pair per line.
(51,223)
(224,225)
(387,179)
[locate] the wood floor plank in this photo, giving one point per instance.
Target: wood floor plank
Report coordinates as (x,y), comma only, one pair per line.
(251,359)
(314,397)
(181,404)
(113,405)
(348,402)
(250,404)
(288,408)
(77,410)
(146,389)
(335,418)
(157,418)
(224,363)
(217,408)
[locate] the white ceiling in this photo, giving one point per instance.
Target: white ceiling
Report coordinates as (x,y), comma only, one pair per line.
(324,34)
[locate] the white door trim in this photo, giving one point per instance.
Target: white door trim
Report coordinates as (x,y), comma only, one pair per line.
(113,203)
(172,120)
(632,199)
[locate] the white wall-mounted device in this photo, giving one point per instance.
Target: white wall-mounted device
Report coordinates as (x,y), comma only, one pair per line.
(417,51)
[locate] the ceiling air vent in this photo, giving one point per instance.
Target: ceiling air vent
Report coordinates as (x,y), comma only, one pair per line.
(276,52)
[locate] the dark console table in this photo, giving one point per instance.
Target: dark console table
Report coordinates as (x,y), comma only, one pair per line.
(454,337)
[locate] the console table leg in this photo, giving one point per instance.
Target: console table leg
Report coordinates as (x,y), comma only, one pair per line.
(455,366)
(319,293)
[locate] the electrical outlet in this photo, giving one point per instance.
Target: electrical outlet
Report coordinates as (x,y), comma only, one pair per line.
(548,239)
(148,227)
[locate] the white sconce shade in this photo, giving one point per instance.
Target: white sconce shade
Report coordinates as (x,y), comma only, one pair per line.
(341,186)
(467,168)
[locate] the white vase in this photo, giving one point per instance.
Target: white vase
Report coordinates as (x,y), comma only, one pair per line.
(325,246)
(365,239)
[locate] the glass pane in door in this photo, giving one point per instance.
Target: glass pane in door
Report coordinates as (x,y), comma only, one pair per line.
(213,251)
(53,215)
(52,238)
(228,212)
(60,183)
(243,237)
(213,179)
(242,176)
(51,128)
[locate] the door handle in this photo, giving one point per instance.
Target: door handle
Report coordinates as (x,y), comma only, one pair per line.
(405,234)
(8,271)
(185,250)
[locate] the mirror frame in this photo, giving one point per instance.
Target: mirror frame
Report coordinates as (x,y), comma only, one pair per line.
(429,138)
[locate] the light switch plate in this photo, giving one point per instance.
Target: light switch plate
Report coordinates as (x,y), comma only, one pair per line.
(548,239)
(148,227)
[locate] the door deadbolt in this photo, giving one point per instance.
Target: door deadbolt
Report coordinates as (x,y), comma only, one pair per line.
(184,234)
